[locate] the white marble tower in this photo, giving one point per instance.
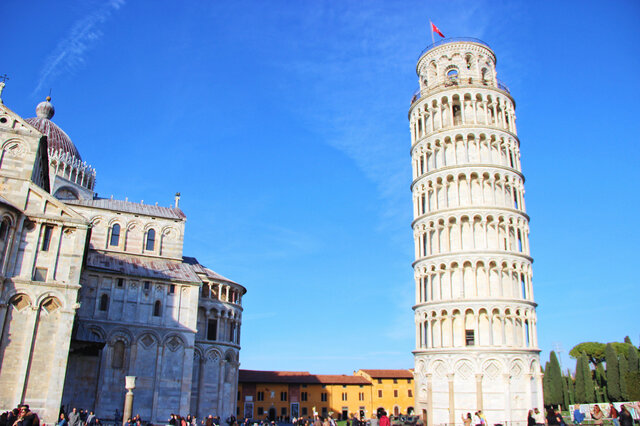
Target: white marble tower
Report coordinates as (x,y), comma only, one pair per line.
(476,340)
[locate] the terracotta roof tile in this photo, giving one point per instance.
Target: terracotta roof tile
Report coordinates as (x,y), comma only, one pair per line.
(389,374)
(298,377)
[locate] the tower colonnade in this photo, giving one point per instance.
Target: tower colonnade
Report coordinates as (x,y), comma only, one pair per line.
(475,319)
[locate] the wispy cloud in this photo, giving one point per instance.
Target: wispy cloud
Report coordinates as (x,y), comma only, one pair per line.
(69,53)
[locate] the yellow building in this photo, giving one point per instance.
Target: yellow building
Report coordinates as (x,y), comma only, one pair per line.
(288,394)
(391,390)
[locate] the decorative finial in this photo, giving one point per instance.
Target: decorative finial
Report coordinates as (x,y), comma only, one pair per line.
(177,200)
(45,109)
(2,84)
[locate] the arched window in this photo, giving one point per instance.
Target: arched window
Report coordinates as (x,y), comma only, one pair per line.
(452,74)
(151,240)
(156,309)
(104,302)
(115,235)
(117,360)
(4,229)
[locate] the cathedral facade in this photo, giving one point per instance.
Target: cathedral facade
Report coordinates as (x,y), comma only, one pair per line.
(475,314)
(96,289)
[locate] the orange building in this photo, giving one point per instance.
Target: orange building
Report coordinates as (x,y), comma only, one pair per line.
(391,390)
(288,394)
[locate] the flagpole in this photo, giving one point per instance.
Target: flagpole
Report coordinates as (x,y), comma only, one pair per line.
(433,40)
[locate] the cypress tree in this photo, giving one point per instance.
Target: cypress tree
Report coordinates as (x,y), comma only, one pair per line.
(589,387)
(613,373)
(624,369)
(633,377)
(546,385)
(584,392)
(565,393)
(601,383)
(634,365)
(555,380)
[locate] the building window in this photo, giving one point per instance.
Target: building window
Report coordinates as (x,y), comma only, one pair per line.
(46,237)
(283,396)
(410,393)
(469,336)
(379,381)
(395,381)
(325,412)
(260,396)
(283,411)
(408,380)
(151,240)
(172,289)
(344,396)
(323,397)
(115,235)
(395,393)
(212,334)
(303,396)
(104,302)
(304,411)
(120,282)
(380,393)
(156,308)
(40,274)
(360,396)
(117,360)
(452,74)
(147,285)
(260,411)
(4,229)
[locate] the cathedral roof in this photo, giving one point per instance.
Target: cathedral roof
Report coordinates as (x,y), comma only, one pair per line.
(142,267)
(131,207)
(204,270)
(56,137)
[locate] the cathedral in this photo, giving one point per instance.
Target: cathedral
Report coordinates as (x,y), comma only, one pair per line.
(97,289)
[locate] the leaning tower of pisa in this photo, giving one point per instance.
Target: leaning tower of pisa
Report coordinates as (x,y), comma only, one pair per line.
(476,340)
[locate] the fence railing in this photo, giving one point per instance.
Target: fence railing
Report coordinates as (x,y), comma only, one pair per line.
(452,40)
(460,82)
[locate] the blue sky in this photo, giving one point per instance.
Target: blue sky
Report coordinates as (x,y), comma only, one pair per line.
(284,126)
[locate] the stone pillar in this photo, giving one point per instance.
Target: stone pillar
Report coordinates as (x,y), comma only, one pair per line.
(479,401)
(452,400)
(129,385)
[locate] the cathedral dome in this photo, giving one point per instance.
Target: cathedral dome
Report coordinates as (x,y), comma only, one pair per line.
(57,138)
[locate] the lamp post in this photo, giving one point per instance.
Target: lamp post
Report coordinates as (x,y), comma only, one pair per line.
(129,385)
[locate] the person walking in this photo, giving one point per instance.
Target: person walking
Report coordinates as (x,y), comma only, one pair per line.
(62,421)
(531,421)
(467,420)
(625,416)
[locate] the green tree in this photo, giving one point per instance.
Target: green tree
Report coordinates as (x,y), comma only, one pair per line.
(584,382)
(546,385)
(613,373)
(633,376)
(566,399)
(555,379)
(624,371)
(634,364)
(627,340)
(593,350)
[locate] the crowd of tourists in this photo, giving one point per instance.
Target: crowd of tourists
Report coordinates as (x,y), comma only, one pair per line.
(624,416)
(19,416)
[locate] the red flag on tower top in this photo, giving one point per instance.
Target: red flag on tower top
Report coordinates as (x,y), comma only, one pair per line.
(436,30)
